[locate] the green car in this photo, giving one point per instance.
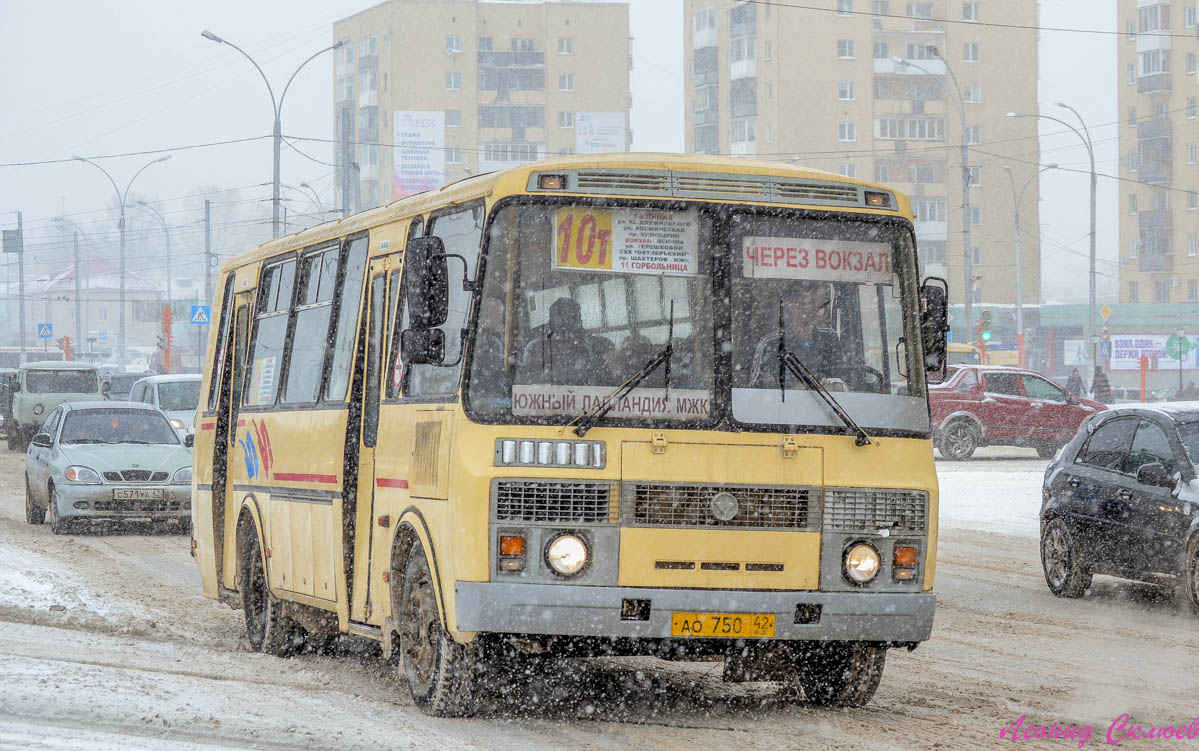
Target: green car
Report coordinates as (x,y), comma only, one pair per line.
(42,386)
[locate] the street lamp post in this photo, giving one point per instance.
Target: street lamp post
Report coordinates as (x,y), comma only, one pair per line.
(1181,356)
(79,327)
(121,198)
(1086,140)
(277,107)
(319,206)
(967,256)
(1017,199)
(167,233)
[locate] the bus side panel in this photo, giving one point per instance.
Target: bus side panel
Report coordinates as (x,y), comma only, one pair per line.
(201,525)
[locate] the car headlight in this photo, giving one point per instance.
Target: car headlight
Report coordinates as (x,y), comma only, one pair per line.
(182,476)
(177,424)
(567,554)
(83,475)
(862,563)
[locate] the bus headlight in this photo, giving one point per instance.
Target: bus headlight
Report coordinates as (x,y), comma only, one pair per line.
(862,563)
(567,554)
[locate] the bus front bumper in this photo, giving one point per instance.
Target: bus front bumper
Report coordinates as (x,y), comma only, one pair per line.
(565,610)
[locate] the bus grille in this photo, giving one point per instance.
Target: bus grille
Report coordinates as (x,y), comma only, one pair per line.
(553,502)
(870,509)
(681,505)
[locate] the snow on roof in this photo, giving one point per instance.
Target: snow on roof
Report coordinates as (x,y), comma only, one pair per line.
(1178,411)
(95,274)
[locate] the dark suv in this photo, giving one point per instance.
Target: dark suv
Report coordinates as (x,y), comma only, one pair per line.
(1122,499)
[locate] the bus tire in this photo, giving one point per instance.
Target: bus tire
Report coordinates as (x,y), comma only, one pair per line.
(958,441)
(34,514)
(436,668)
(267,628)
(841,674)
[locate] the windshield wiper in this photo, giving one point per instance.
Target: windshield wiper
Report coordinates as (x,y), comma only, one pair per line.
(144,443)
(587,419)
(789,361)
(84,440)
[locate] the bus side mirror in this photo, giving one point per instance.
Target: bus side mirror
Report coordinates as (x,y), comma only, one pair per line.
(422,346)
(934,327)
(426,282)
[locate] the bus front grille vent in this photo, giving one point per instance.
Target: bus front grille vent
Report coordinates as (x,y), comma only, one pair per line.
(684,505)
(754,188)
(618,182)
(553,502)
(872,509)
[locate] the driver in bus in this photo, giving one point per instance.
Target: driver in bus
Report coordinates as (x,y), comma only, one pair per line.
(807,333)
(561,352)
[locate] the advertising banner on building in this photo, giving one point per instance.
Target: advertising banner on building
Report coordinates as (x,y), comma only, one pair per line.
(418,152)
(599,132)
(1128,348)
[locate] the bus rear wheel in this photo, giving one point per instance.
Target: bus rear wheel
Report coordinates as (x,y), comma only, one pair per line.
(436,668)
(841,674)
(268,629)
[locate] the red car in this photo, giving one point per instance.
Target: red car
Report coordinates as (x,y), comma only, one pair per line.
(981,405)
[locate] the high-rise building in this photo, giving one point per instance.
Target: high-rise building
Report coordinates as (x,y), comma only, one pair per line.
(1159,194)
(430,91)
(879,90)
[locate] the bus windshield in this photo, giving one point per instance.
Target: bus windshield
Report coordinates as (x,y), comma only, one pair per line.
(577,299)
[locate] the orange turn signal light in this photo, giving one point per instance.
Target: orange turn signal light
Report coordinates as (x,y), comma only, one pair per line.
(551,182)
(512,545)
(905,556)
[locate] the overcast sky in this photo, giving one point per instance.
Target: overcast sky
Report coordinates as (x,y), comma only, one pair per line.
(107,78)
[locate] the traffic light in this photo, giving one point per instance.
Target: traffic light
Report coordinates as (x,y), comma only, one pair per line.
(984,326)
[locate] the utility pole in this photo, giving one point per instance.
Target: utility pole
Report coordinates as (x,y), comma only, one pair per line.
(78,314)
(208,251)
(21,278)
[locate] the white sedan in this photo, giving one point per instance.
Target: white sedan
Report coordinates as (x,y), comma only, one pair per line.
(107,460)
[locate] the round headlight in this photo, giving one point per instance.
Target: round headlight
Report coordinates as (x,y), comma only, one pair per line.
(567,554)
(38,409)
(861,563)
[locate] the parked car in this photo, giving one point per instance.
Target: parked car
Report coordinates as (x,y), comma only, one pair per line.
(42,386)
(1122,499)
(107,460)
(1132,395)
(117,385)
(177,395)
(1003,406)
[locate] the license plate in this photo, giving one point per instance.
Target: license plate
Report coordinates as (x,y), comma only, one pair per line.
(723,625)
(137,494)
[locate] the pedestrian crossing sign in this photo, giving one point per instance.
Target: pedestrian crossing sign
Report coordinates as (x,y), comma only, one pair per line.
(201,314)
(45,331)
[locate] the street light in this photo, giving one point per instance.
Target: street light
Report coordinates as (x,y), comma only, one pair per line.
(1181,354)
(277,107)
(79,327)
(1016,201)
(967,257)
(167,233)
(121,197)
(319,206)
(1086,140)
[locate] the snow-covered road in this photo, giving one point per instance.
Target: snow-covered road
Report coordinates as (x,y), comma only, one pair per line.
(106,643)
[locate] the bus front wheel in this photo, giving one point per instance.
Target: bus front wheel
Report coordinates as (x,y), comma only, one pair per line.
(268,629)
(841,674)
(436,668)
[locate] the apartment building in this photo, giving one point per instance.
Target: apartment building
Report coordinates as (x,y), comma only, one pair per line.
(1159,201)
(881,91)
(430,91)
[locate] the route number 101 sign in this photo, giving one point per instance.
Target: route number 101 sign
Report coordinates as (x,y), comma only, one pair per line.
(631,241)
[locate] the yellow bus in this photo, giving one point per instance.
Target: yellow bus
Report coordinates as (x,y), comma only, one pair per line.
(607,405)
(964,354)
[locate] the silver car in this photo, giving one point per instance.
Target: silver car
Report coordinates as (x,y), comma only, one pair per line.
(107,460)
(177,395)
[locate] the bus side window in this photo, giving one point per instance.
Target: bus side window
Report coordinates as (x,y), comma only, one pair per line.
(218,352)
(461,232)
(348,299)
(399,321)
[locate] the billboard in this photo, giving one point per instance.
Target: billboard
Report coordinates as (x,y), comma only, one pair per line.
(599,132)
(418,152)
(1128,348)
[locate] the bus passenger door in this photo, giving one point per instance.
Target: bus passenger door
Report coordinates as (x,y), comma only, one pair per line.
(368,585)
(225,443)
